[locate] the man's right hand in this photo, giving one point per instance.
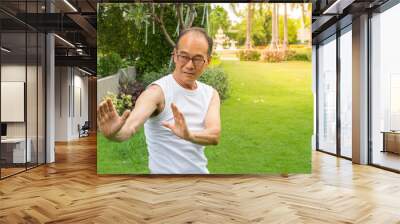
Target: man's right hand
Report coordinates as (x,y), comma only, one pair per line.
(108,119)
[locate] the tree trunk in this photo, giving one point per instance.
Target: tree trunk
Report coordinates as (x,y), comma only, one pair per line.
(277,25)
(274,45)
(303,26)
(303,16)
(248,30)
(305,12)
(160,20)
(285,29)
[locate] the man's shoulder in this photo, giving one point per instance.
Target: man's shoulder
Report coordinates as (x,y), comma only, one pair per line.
(165,77)
(206,86)
(202,83)
(159,82)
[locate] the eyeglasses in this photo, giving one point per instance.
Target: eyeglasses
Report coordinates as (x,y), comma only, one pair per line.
(198,61)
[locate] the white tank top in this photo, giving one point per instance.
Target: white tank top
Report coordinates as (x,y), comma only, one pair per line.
(169,154)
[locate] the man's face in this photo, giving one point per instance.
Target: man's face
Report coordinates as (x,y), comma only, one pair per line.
(192,46)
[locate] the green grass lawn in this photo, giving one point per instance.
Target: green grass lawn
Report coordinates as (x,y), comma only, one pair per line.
(266,124)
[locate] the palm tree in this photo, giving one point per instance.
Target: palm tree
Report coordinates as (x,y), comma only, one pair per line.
(308,11)
(250,13)
(303,9)
(277,25)
(250,9)
(275,29)
(303,16)
(285,29)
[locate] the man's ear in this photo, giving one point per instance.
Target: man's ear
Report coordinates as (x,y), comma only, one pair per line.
(209,59)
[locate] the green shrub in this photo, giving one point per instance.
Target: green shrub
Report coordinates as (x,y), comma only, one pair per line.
(128,85)
(304,55)
(121,102)
(149,77)
(217,78)
(248,55)
(298,46)
(290,53)
(215,60)
(109,64)
(124,102)
(273,55)
(214,77)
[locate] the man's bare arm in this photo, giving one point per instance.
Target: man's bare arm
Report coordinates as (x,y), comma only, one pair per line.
(211,133)
(145,106)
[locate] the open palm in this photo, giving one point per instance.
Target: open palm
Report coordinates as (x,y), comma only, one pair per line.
(179,128)
(108,119)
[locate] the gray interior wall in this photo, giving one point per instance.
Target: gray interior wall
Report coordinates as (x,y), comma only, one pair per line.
(62,81)
(71,86)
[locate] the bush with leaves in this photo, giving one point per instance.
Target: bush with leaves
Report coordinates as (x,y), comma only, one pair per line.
(248,55)
(273,55)
(135,90)
(217,78)
(299,55)
(213,76)
(128,85)
(109,64)
(215,60)
(121,102)
(149,77)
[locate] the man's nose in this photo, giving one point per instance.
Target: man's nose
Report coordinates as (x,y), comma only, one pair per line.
(190,64)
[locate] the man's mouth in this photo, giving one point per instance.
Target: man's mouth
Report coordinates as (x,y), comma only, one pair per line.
(190,73)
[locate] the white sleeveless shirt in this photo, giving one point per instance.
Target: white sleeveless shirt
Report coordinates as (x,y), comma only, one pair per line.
(169,154)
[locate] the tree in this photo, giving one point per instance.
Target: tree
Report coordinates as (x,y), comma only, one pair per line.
(138,32)
(250,10)
(111,26)
(267,14)
(144,14)
(285,29)
(219,18)
(307,21)
(275,28)
(249,18)
(260,31)
(184,23)
(261,28)
(305,10)
(303,17)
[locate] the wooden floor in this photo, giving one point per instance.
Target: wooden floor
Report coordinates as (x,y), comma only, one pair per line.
(10,171)
(5,172)
(70,191)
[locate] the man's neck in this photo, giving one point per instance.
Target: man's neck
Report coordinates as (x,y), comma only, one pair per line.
(190,86)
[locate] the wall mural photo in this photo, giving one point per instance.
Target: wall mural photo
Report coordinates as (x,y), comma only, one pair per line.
(210,88)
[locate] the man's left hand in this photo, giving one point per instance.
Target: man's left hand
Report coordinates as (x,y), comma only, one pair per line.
(179,128)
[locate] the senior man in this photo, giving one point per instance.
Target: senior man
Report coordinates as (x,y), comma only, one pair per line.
(180,114)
